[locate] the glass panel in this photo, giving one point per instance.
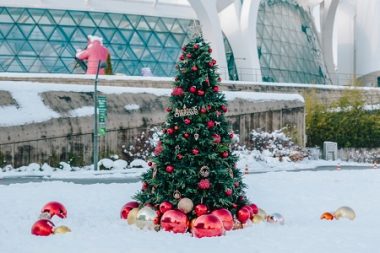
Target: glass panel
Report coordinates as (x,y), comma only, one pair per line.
(16,45)
(37,34)
(15,13)
(5,28)
(5,49)
(15,33)
(16,66)
(27,62)
(25,18)
(47,30)
(136,40)
(27,50)
(87,21)
(66,20)
(57,15)
(96,17)
(106,22)
(79,36)
(5,17)
(68,31)
(117,39)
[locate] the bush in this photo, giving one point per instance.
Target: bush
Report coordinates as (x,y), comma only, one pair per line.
(347,122)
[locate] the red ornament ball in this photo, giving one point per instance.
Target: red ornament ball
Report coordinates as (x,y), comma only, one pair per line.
(170,130)
(243,215)
(210,124)
(186,135)
(168,109)
(150,164)
(43,228)
(179,157)
(184,49)
(214,61)
(178,91)
(250,211)
(210,64)
(176,128)
(210,50)
(201,92)
(182,57)
(193,89)
(255,209)
(228,192)
(195,151)
(187,121)
(209,107)
(127,208)
(196,46)
(224,154)
(217,138)
(188,56)
(200,209)
(216,89)
(174,221)
(203,110)
(165,206)
(224,108)
(55,208)
(219,79)
(169,168)
(194,68)
(144,186)
(236,184)
(207,225)
(204,184)
(207,81)
(226,217)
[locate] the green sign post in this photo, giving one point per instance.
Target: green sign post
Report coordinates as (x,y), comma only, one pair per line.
(102,115)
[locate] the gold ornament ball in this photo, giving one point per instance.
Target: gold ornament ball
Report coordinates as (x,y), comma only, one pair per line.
(257,219)
(145,217)
(132,216)
(185,205)
(61,230)
(345,212)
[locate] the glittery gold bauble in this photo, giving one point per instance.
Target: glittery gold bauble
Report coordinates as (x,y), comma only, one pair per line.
(257,219)
(145,217)
(132,216)
(61,230)
(345,212)
(177,194)
(185,205)
(204,171)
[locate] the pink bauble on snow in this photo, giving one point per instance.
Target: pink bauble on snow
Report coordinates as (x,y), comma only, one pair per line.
(174,221)
(43,228)
(127,208)
(226,217)
(55,208)
(207,225)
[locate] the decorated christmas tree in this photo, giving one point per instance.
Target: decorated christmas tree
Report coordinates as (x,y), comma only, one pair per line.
(194,171)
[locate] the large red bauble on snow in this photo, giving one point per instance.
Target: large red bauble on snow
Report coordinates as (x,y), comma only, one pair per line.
(254,208)
(165,206)
(200,209)
(207,225)
(127,208)
(226,217)
(243,215)
(174,221)
(43,227)
(55,208)
(250,211)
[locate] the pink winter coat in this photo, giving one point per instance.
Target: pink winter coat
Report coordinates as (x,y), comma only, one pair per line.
(95,51)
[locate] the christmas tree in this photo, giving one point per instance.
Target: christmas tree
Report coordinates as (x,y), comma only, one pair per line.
(194,160)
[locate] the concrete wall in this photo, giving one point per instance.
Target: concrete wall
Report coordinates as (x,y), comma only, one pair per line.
(63,137)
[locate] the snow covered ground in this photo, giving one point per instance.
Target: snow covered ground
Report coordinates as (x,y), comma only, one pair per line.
(301,197)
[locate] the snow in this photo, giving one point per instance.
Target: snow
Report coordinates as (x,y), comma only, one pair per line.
(301,197)
(132,107)
(32,109)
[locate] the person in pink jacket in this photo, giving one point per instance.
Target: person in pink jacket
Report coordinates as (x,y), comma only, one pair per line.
(94,52)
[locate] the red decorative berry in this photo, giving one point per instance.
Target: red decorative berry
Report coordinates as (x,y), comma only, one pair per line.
(213,61)
(207,81)
(224,154)
(210,50)
(203,110)
(193,89)
(176,79)
(216,89)
(201,92)
(196,46)
(186,135)
(170,131)
(168,109)
(164,131)
(234,205)
(182,57)
(176,128)
(179,157)
(169,168)
(187,121)
(224,108)
(210,124)
(219,79)
(156,221)
(210,64)
(236,184)
(194,68)
(144,186)
(188,56)
(204,184)
(209,107)
(231,135)
(150,164)
(195,151)
(228,192)
(184,49)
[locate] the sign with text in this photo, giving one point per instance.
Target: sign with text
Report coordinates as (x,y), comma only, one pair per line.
(102,115)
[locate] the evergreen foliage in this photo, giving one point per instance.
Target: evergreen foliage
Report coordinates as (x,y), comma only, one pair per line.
(346,122)
(194,159)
